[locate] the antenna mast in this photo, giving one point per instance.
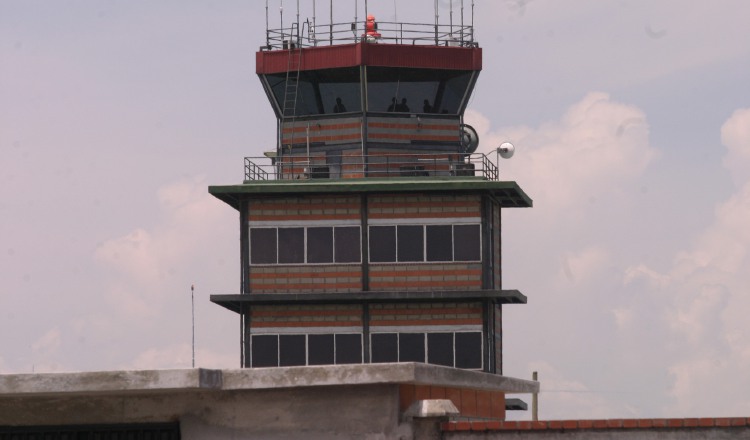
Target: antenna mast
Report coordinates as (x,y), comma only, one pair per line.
(192,302)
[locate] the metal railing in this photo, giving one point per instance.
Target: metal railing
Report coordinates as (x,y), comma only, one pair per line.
(309,35)
(379,165)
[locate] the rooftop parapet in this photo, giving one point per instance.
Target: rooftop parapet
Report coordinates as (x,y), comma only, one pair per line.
(380,165)
(308,34)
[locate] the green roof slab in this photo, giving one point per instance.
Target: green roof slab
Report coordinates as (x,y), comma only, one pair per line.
(507,193)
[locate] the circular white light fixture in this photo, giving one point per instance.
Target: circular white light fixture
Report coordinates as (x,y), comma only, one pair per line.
(506,150)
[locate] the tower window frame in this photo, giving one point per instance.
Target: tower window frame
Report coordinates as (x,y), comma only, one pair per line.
(463,246)
(304,245)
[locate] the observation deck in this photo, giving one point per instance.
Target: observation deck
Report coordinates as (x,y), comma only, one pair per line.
(370,99)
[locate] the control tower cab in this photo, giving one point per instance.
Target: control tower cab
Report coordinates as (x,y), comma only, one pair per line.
(372,99)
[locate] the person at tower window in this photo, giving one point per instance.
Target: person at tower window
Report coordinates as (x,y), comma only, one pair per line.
(427,108)
(402,107)
(339,107)
(393,106)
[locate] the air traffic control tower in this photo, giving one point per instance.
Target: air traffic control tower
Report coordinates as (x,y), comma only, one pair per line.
(372,232)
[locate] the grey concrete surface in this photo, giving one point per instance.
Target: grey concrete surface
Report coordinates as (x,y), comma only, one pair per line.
(255,379)
(327,402)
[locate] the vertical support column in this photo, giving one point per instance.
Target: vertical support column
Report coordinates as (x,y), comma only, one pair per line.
(244,248)
(365,244)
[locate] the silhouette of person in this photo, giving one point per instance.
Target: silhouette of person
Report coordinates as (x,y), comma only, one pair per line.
(427,107)
(392,107)
(339,107)
(402,107)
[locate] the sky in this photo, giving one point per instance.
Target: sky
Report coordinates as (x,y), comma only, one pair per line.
(631,121)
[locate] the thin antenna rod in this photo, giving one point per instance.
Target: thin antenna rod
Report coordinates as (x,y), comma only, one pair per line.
(192,301)
(331,23)
(463,30)
(297,22)
(451,17)
(268,43)
(281,19)
(437,22)
(314,27)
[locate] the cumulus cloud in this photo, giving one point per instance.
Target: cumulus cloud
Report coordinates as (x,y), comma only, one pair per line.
(150,256)
(597,145)
(735,135)
(708,301)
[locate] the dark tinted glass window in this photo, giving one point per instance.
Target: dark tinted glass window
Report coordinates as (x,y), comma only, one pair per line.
(317,91)
(406,90)
(348,349)
(410,243)
(265,351)
(263,245)
(291,245)
(320,350)
(382,244)
(319,245)
(411,347)
(440,349)
(384,347)
(467,239)
(291,350)
(439,243)
(348,244)
(469,350)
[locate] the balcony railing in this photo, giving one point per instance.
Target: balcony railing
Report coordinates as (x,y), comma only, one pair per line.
(309,35)
(380,165)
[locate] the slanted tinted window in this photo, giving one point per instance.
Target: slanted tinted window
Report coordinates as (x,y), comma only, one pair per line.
(384,347)
(469,350)
(265,350)
(410,243)
(347,243)
(317,91)
(382,244)
(393,89)
(263,245)
(440,349)
(349,349)
(467,245)
(320,245)
(291,245)
(411,347)
(291,350)
(320,350)
(439,243)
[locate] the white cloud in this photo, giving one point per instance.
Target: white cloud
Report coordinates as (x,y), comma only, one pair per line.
(707,305)
(48,343)
(735,135)
(595,147)
(579,267)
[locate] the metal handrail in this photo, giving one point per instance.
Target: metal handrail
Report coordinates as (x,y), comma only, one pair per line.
(299,167)
(389,32)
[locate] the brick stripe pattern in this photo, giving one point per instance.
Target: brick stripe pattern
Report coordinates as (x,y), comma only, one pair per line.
(426,129)
(424,206)
(329,132)
(303,209)
(306,279)
(399,315)
(470,403)
(426,277)
(323,316)
(609,424)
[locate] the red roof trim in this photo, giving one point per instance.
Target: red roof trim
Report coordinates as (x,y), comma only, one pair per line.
(365,54)
(557,425)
